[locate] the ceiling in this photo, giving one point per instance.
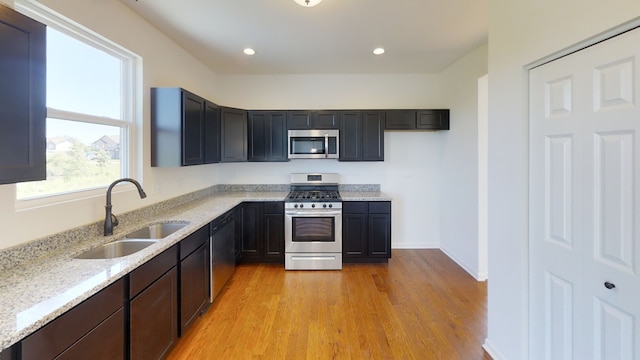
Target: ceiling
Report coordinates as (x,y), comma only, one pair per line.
(333,37)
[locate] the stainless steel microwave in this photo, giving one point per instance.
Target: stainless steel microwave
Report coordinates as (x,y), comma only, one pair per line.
(313,144)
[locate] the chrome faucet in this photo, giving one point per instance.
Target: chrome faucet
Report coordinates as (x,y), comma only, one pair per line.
(110,220)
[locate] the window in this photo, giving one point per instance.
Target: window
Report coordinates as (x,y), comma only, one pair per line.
(91,88)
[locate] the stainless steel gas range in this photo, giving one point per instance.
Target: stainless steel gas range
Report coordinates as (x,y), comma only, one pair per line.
(313,223)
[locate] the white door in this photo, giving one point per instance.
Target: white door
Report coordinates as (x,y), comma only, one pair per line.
(585,202)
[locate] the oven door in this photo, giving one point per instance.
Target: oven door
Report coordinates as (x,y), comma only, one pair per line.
(313,231)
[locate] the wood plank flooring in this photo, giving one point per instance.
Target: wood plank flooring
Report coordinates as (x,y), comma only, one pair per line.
(420,305)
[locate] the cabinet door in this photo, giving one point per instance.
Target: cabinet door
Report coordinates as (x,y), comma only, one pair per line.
(211,133)
(192,129)
(379,229)
(400,120)
(251,231)
(274,231)
(153,318)
(373,136)
(325,120)
(234,135)
(354,231)
(380,235)
(433,119)
(194,286)
(258,136)
(278,137)
(22,98)
(298,119)
(350,136)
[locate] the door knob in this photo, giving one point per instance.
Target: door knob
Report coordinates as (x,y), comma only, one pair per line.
(609,285)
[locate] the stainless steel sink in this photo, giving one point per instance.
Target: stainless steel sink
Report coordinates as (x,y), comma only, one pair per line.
(115,249)
(156,231)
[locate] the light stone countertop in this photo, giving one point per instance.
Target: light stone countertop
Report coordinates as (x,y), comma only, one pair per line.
(36,292)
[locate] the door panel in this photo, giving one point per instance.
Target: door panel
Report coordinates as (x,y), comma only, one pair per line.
(584,197)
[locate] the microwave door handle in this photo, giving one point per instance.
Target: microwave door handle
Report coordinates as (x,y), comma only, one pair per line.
(326,146)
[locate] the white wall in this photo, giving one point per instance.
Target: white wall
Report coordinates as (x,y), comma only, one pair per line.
(459,211)
(410,173)
(521,32)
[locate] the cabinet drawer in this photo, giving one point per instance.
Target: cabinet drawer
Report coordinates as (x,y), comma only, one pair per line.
(143,276)
(380,207)
(105,342)
(65,330)
(274,207)
(354,207)
(193,241)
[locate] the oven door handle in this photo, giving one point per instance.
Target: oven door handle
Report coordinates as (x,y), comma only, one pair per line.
(313,213)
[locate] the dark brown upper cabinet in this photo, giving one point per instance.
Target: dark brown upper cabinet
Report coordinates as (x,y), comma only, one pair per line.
(437,119)
(362,135)
(22,98)
(307,119)
(267,136)
(432,119)
(233,135)
(185,128)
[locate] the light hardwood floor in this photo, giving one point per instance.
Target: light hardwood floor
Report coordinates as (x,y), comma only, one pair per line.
(419,306)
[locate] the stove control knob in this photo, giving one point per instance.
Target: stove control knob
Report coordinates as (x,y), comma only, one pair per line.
(330,205)
(313,205)
(295,206)
(301,206)
(324,205)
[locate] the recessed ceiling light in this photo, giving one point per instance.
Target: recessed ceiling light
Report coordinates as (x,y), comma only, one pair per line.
(308,3)
(249,51)
(378,51)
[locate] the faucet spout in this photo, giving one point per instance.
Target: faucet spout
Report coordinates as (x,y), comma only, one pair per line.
(110,220)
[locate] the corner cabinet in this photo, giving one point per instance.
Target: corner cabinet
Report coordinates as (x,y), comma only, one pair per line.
(233,135)
(185,128)
(366,231)
(362,135)
(267,136)
(260,232)
(22,98)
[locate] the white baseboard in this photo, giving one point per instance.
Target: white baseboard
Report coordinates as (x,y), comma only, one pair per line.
(415,246)
(492,350)
(468,269)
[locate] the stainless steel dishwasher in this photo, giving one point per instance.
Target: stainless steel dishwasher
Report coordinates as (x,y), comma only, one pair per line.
(223,257)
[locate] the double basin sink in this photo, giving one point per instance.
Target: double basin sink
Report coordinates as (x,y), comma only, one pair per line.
(132,242)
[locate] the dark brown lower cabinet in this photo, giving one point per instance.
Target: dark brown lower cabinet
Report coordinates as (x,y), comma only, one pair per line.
(154,318)
(94,329)
(260,231)
(153,308)
(366,231)
(194,279)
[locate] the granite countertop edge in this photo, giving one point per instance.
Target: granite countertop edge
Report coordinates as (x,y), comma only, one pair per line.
(34,293)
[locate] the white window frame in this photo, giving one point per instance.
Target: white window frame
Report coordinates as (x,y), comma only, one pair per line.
(131,104)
